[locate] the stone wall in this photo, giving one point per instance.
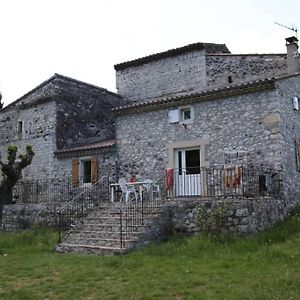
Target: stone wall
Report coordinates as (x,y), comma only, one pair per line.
(195,71)
(60,113)
(242,216)
(38,131)
(26,216)
(243,68)
(290,131)
(163,77)
(106,163)
(84,114)
(245,124)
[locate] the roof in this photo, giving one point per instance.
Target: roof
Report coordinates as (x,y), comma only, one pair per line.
(166,102)
(208,47)
(87,149)
(52,78)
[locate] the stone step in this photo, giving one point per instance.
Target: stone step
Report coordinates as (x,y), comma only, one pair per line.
(101,234)
(88,249)
(109,227)
(113,242)
(115,219)
(103,220)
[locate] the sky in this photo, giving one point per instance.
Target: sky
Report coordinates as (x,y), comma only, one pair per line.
(84,39)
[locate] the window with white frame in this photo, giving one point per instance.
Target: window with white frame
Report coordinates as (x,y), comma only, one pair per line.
(181,115)
(186,114)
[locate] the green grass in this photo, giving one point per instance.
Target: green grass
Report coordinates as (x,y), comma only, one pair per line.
(265,266)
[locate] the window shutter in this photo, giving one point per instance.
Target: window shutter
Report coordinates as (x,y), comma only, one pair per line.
(75,173)
(94,170)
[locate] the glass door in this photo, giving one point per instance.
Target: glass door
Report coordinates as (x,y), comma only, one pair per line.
(187,172)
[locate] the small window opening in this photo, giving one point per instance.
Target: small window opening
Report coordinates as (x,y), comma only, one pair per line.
(20,126)
(186,114)
(87,171)
(230,79)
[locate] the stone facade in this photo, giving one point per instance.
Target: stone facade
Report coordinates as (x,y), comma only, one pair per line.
(227,69)
(59,114)
(289,133)
(234,124)
(193,71)
(38,130)
(163,77)
(26,216)
(243,215)
(197,97)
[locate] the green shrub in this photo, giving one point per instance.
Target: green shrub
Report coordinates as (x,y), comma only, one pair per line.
(212,220)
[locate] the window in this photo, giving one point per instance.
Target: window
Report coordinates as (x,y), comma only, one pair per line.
(181,115)
(186,114)
(20,129)
(86,171)
(20,126)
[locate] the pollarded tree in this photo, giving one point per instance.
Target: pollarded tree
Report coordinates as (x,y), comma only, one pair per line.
(11,172)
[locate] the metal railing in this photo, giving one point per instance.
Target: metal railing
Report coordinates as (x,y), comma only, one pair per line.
(49,190)
(81,205)
(226,181)
(136,212)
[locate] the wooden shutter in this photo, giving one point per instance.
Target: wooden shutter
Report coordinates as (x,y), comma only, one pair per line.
(298,154)
(94,170)
(75,172)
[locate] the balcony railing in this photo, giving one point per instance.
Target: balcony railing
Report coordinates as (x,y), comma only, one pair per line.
(224,181)
(50,190)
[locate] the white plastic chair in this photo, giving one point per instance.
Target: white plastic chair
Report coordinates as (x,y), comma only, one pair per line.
(151,188)
(127,190)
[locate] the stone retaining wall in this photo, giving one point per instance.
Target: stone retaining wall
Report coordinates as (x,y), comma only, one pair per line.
(242,216)
(25,216)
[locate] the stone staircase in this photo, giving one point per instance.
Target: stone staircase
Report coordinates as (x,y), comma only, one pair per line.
(101,230)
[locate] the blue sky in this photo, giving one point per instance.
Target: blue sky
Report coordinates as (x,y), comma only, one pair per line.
(84,39)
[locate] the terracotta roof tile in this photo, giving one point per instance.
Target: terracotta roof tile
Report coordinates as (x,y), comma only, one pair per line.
(89,147)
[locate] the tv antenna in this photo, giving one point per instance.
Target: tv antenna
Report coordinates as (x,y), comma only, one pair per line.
(293,28)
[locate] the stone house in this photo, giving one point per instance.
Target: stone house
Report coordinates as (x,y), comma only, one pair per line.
(222,124)
(235,109)
(69,125)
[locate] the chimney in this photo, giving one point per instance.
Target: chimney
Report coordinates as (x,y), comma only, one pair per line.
(293,61)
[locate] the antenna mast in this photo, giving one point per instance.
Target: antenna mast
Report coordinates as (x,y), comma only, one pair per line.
(293,28)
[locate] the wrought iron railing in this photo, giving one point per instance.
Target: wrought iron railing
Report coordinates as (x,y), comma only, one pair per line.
(73,212)
(136,212)
(49,190)
(225,181)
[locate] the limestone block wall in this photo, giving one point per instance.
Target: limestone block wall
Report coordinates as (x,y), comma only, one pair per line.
(245,124)
(25,216)
(84,114)
(163,77)
(242,68)
(39,124)
(290,131)
(242,216)
(106,163)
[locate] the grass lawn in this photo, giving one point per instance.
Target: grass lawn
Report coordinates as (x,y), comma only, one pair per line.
(265,266)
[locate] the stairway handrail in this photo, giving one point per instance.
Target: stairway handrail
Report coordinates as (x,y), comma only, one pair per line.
(80,194)
(79,213)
